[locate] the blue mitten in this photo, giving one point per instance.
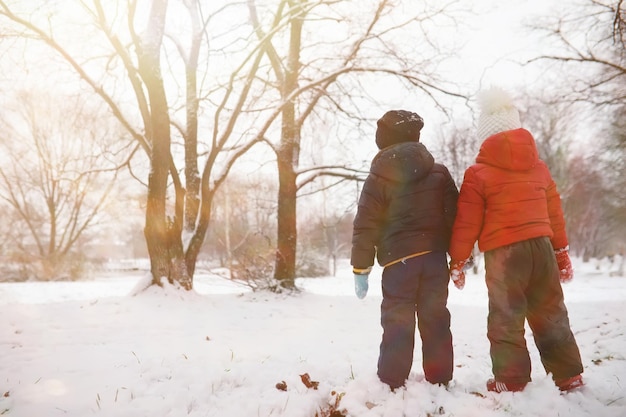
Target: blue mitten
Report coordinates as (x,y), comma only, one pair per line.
(361,285)
(360,281)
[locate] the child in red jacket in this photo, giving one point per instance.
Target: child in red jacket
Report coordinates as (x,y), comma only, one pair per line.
(509,203)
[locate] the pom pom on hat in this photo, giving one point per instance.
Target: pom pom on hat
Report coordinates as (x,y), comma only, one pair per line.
(498,113)
(397,126)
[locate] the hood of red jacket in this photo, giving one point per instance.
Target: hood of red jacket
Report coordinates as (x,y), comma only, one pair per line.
(514,150)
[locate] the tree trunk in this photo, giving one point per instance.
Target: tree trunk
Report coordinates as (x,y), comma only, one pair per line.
(285,265)
(192,102)
(163,237)
(288,159)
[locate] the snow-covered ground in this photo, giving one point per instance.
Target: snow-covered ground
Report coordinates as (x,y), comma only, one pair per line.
(88,348)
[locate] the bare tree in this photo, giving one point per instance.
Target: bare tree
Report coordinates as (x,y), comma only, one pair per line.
(589,41)
(592,56)
(456,147)
(173,242)
(142,51)
(613,169)
(553,123)
(584,206)
(307,83)
(245,222)
(59,167)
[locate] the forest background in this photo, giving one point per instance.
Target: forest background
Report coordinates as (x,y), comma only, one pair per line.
(174,135)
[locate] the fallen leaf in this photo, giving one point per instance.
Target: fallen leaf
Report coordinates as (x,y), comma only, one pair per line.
(306,380)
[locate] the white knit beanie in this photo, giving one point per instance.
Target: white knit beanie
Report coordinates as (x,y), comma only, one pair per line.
(498,114)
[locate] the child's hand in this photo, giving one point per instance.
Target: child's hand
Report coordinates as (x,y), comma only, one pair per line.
(457,271)
(361,285)
(360,281)
(566,272)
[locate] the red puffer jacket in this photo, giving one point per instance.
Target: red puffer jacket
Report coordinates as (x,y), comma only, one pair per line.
(508,196)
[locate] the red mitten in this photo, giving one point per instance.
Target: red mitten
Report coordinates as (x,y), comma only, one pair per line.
(457,272)
(565,264)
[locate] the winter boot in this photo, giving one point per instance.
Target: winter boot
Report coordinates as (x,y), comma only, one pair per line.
(569,384)
(497,386)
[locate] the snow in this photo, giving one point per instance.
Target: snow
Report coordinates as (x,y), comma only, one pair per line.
(92,348)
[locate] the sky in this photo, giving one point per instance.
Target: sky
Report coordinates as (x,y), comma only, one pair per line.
(492,36)
(493,44)
(103,348)
(497,41)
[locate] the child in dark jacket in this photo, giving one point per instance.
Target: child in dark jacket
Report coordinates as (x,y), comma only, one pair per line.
(510,204)
(404,219)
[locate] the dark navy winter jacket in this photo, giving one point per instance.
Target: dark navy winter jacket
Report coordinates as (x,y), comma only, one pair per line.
(407,206)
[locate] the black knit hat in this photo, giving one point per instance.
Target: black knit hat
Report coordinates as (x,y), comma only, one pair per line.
(398,126)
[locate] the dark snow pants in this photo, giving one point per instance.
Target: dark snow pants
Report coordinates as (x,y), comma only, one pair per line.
(523,284)
(417,286)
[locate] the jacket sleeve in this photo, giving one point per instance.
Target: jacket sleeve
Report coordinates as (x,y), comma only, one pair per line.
(555,211)
(367,224)
(469,217)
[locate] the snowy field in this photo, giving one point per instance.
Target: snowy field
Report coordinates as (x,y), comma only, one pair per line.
(93,348)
